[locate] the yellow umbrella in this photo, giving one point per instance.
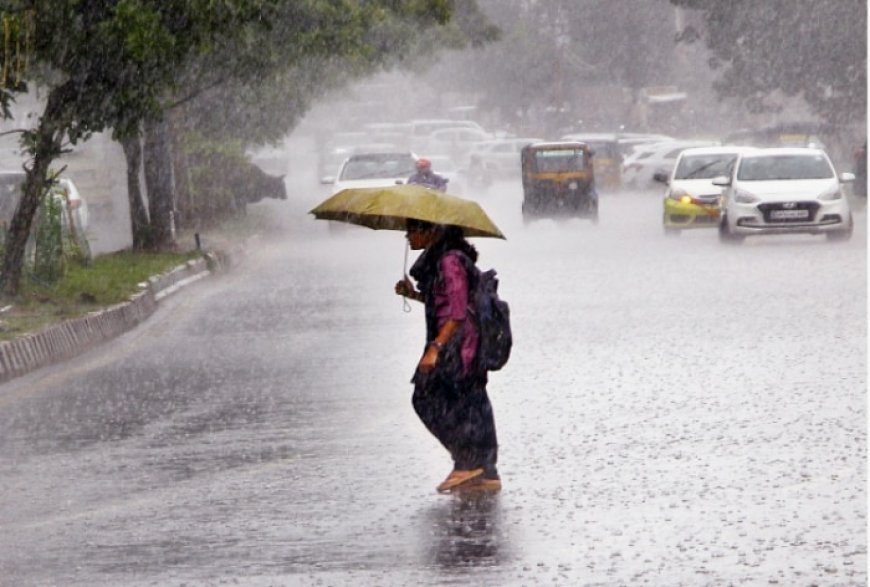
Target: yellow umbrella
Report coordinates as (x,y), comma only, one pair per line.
(387,208)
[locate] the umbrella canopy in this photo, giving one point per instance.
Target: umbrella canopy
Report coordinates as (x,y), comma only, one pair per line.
(387,208)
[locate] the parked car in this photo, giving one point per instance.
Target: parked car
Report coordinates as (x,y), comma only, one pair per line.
(558,180)
(608,157)
(628,141)
(422,128)
(784,190)
(639,167)
(65,191)
(455,142)
(691,199)
(501,156)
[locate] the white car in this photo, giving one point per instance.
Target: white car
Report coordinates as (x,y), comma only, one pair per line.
(784,190)
(375,169)
(501,156)
(639,167)
(691,200)
(371,170)
(454,142)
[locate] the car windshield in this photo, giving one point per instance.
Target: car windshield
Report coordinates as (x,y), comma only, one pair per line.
(777,167)
(705,166)
(559,160)
(381,165)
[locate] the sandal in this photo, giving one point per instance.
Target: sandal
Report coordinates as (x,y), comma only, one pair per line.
(458,477)
(482,485)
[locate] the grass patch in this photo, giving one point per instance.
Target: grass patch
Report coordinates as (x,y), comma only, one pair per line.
(109,280)
(112,278)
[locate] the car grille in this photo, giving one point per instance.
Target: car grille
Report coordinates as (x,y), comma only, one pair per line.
(789,212)
(699,219)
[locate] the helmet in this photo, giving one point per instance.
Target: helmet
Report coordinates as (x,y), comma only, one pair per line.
(424,164)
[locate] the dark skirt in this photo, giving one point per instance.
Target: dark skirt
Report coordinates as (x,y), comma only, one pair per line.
(457,411)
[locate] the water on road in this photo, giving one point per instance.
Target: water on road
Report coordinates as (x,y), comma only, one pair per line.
(675,412)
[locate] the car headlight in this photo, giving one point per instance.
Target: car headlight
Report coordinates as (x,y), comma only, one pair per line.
(744,197)
(832,194)
(680,196)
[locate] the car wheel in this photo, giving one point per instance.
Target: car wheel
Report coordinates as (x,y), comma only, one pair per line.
(669,230)
(725,234)
(842,235)
(527,216)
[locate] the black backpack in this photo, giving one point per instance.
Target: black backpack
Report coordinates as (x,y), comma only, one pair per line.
(493,317)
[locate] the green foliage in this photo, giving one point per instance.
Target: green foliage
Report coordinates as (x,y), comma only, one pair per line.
(211,167)
(116,63)
(259,86)
(816,49)
(58,241)
(548,52)
(111,279)
(48,250)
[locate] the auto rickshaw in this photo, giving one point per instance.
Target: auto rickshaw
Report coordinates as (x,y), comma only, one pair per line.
(558,180)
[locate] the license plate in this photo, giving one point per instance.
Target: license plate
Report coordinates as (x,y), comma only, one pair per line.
(789,214)
(572,185)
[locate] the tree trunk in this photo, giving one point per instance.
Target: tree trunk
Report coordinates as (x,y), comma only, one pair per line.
(46,148)
(184,217)
(159,185)
(139,224)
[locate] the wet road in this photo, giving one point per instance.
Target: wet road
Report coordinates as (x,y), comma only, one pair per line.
(676,412)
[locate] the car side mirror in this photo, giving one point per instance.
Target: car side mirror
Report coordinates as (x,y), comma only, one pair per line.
(327,179)
(847,177)
(722,181)
(661,177)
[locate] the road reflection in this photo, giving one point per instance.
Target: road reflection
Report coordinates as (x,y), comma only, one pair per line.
(466,531)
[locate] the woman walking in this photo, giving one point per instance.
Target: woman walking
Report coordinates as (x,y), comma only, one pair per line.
(449,386)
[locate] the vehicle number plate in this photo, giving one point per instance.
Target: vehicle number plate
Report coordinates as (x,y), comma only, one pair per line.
(789,214)
(572,185)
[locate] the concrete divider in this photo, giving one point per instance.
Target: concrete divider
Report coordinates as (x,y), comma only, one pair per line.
(73,337)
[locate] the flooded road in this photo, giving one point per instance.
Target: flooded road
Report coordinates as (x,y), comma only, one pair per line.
(675,412)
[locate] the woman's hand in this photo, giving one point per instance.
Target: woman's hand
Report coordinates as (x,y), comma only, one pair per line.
(428,360)
(406,289)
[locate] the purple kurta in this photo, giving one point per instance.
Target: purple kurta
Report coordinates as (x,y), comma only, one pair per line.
(451,303)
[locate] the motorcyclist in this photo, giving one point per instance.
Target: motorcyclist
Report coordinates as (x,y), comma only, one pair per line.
(426,177)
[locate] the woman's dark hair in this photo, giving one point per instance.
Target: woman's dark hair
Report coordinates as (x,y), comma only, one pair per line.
(414,224)
(453,239)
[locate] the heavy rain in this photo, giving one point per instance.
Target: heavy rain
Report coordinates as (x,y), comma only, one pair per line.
(685,399)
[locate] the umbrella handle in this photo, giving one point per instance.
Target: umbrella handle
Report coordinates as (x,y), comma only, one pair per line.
(406,307)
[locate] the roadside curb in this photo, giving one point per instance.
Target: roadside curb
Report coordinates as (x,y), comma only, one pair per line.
(73,337)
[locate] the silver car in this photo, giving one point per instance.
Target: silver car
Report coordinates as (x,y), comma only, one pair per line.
(784,190)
